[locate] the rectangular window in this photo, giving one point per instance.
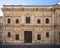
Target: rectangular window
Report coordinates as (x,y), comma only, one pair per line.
(9,21)
(47,34)
(17,20)
(17,36)
(59,41)
(38,21)
(38,37)
(9,34)
(59,33)
(27,19)
(59,37)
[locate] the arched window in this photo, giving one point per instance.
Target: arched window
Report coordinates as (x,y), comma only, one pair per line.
(17,20)
(38,21)
(9,20)
(47,20)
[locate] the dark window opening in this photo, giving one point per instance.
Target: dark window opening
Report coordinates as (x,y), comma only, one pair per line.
(59,33)
(17,36)
(59,41)
(9,21)
(9,34)
(36,9)
(38,21)
(47,34)
(47,20)
(27,19)
(17,21)
(38,37)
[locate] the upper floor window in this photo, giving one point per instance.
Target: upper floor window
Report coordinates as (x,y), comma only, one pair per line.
(38,21)
(9,34)
(9,20)
(17,20)
(27,19)
(47,20)
(47,34)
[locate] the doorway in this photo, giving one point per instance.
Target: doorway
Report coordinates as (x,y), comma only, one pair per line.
(27,36)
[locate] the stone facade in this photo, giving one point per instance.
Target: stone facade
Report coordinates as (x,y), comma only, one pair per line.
(38,31)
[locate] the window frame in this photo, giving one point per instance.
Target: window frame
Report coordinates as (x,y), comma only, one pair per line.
(38,21)
(17,21)
(47,34)
(27,20)
(38,36)
(9,34)
(47,21)
(8,20)
(17,37)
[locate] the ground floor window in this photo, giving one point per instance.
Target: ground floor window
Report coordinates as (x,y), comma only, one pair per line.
(47,34)
(39,37)
(59,34)
(9,34)
(59,37)
(59,41)
(17,36)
